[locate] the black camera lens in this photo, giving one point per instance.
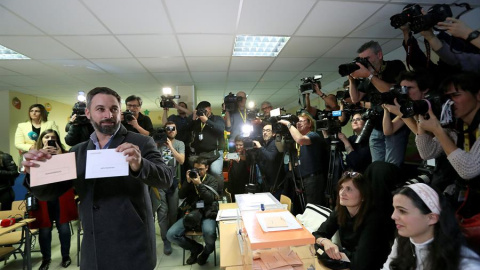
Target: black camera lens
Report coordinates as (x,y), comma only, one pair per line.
(128,116)
(193,173)
(201,112)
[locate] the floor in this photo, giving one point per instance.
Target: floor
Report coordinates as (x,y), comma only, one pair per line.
(174,261)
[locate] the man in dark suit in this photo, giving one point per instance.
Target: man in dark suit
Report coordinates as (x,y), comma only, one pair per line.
(116,212)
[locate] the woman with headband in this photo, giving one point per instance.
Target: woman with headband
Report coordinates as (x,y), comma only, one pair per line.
(428,234)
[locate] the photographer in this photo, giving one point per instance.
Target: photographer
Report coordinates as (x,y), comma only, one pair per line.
(310,158)
(378,76)
(165,201)
(8,174)
(234,120)
(180,119)
(358,154)
(266,107)
(135,121)
(79,127)
(269,160)
(238,169)
(207,137)
(197,196)
(459,29)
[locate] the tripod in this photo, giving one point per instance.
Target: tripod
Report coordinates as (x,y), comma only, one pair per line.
(334,170)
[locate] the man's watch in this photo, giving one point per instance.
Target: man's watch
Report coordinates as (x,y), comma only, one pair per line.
(370,76)
(473,35)
(289,126)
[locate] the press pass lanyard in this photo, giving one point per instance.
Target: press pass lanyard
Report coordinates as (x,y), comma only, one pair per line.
(466,143)
(200,181)
(244,116)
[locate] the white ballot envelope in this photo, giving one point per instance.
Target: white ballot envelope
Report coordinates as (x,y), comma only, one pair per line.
(57,169)
(105,163)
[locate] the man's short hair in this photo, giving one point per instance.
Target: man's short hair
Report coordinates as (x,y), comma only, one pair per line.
(310,119)
(169,123)
(373,45)
(467,81)
(267,103)
(238,138)
(101,90)
(200,160)
(203,105)
(132,98)
(181,102)
(423,78)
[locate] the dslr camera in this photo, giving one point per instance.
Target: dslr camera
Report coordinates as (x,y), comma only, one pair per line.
(128,116)
(79,110)
(345,69)
(421,107)
(160,136)
(167,101)
(437,13)
(201,112)
(307,83)
(231,102)
(193,173)
(396,92)
(369,117)
(410,11)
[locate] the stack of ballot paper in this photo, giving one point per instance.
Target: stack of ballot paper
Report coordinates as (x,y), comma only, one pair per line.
(228,214)
(281,259)
(277,221)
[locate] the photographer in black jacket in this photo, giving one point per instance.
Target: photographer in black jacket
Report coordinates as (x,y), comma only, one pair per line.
(8,174)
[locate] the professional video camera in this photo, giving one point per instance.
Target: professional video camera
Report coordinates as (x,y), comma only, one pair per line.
(278,128)
(160,136)
(369,117)
(79,109)
(231,102)
(128,115)
(420,107)
(345,69)
(396,91)
(410,11)
(307,83)
(329,122)
(167,101)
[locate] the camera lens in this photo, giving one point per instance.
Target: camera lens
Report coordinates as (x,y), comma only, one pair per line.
(193,173)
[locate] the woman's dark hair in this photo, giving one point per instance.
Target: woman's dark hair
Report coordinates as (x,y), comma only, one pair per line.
(444,251)
(39,143)
(43,112)
(361,183)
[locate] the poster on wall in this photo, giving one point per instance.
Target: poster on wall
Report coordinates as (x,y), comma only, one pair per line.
(16,103)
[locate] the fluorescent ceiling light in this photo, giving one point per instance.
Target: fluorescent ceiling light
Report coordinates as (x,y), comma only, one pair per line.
(6,53)
(259,45)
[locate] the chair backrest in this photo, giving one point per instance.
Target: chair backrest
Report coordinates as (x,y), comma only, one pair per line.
(12,214)
(19,205)
(286,200)
(228,195)
(314,216)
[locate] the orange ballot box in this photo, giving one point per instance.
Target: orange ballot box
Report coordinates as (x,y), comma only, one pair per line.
(274,238)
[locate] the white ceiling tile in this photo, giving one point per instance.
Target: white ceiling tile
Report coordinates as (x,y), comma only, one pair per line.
(375,26)
(346,48)
(327,64)
(13,25)
(151,45)
(308,46)
(21,80)
(44,47)
(73,66)
(250,63)
(207,45)
(132,17)
(145,79)
(270,76)
(58,17)
(207,63)
(99,80)
(174,64)
(174,78)
(95,46)
(57,79)
(4,71)
(291,64)
(326,19)
(280,21)
(234,86)
(269,85)
(203,77)
(244,76)
(129,65)
(207,16)
(264,91)
(27,67)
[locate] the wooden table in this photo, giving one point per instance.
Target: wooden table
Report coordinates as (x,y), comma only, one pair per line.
(27,259)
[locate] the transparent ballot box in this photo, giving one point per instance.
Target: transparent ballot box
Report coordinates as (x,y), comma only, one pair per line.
(254,202)
(274,238)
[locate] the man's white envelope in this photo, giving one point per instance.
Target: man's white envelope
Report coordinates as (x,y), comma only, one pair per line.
(105,163)
(57,169)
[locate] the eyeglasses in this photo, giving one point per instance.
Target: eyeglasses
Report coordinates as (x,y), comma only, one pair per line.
(170,128)
(267,130)
(133,106)
(356,119)
(351,174)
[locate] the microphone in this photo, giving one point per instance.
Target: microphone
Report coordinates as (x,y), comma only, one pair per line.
(7,222)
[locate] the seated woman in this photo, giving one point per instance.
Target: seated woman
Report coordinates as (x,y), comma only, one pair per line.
(361,230)
(428,234)
(61,211)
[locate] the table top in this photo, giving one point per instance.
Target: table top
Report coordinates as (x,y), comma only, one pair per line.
(23,222)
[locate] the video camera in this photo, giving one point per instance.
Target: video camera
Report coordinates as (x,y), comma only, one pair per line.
(412,14)
(329,121)
(307,83)
(345,69)
(160,136)
(278,128)
(79,109)
(231,102)
(128,115)
(167,101)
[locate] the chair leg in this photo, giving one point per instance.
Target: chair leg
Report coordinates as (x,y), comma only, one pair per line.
(183,261)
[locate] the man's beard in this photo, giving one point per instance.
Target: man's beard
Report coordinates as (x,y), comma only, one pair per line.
(107,130)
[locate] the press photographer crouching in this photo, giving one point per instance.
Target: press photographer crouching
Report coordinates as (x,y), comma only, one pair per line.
(199,192)
(133,119)
(78,128)
(461,146)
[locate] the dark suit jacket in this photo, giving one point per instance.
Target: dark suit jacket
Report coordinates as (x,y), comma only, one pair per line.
(116,212)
